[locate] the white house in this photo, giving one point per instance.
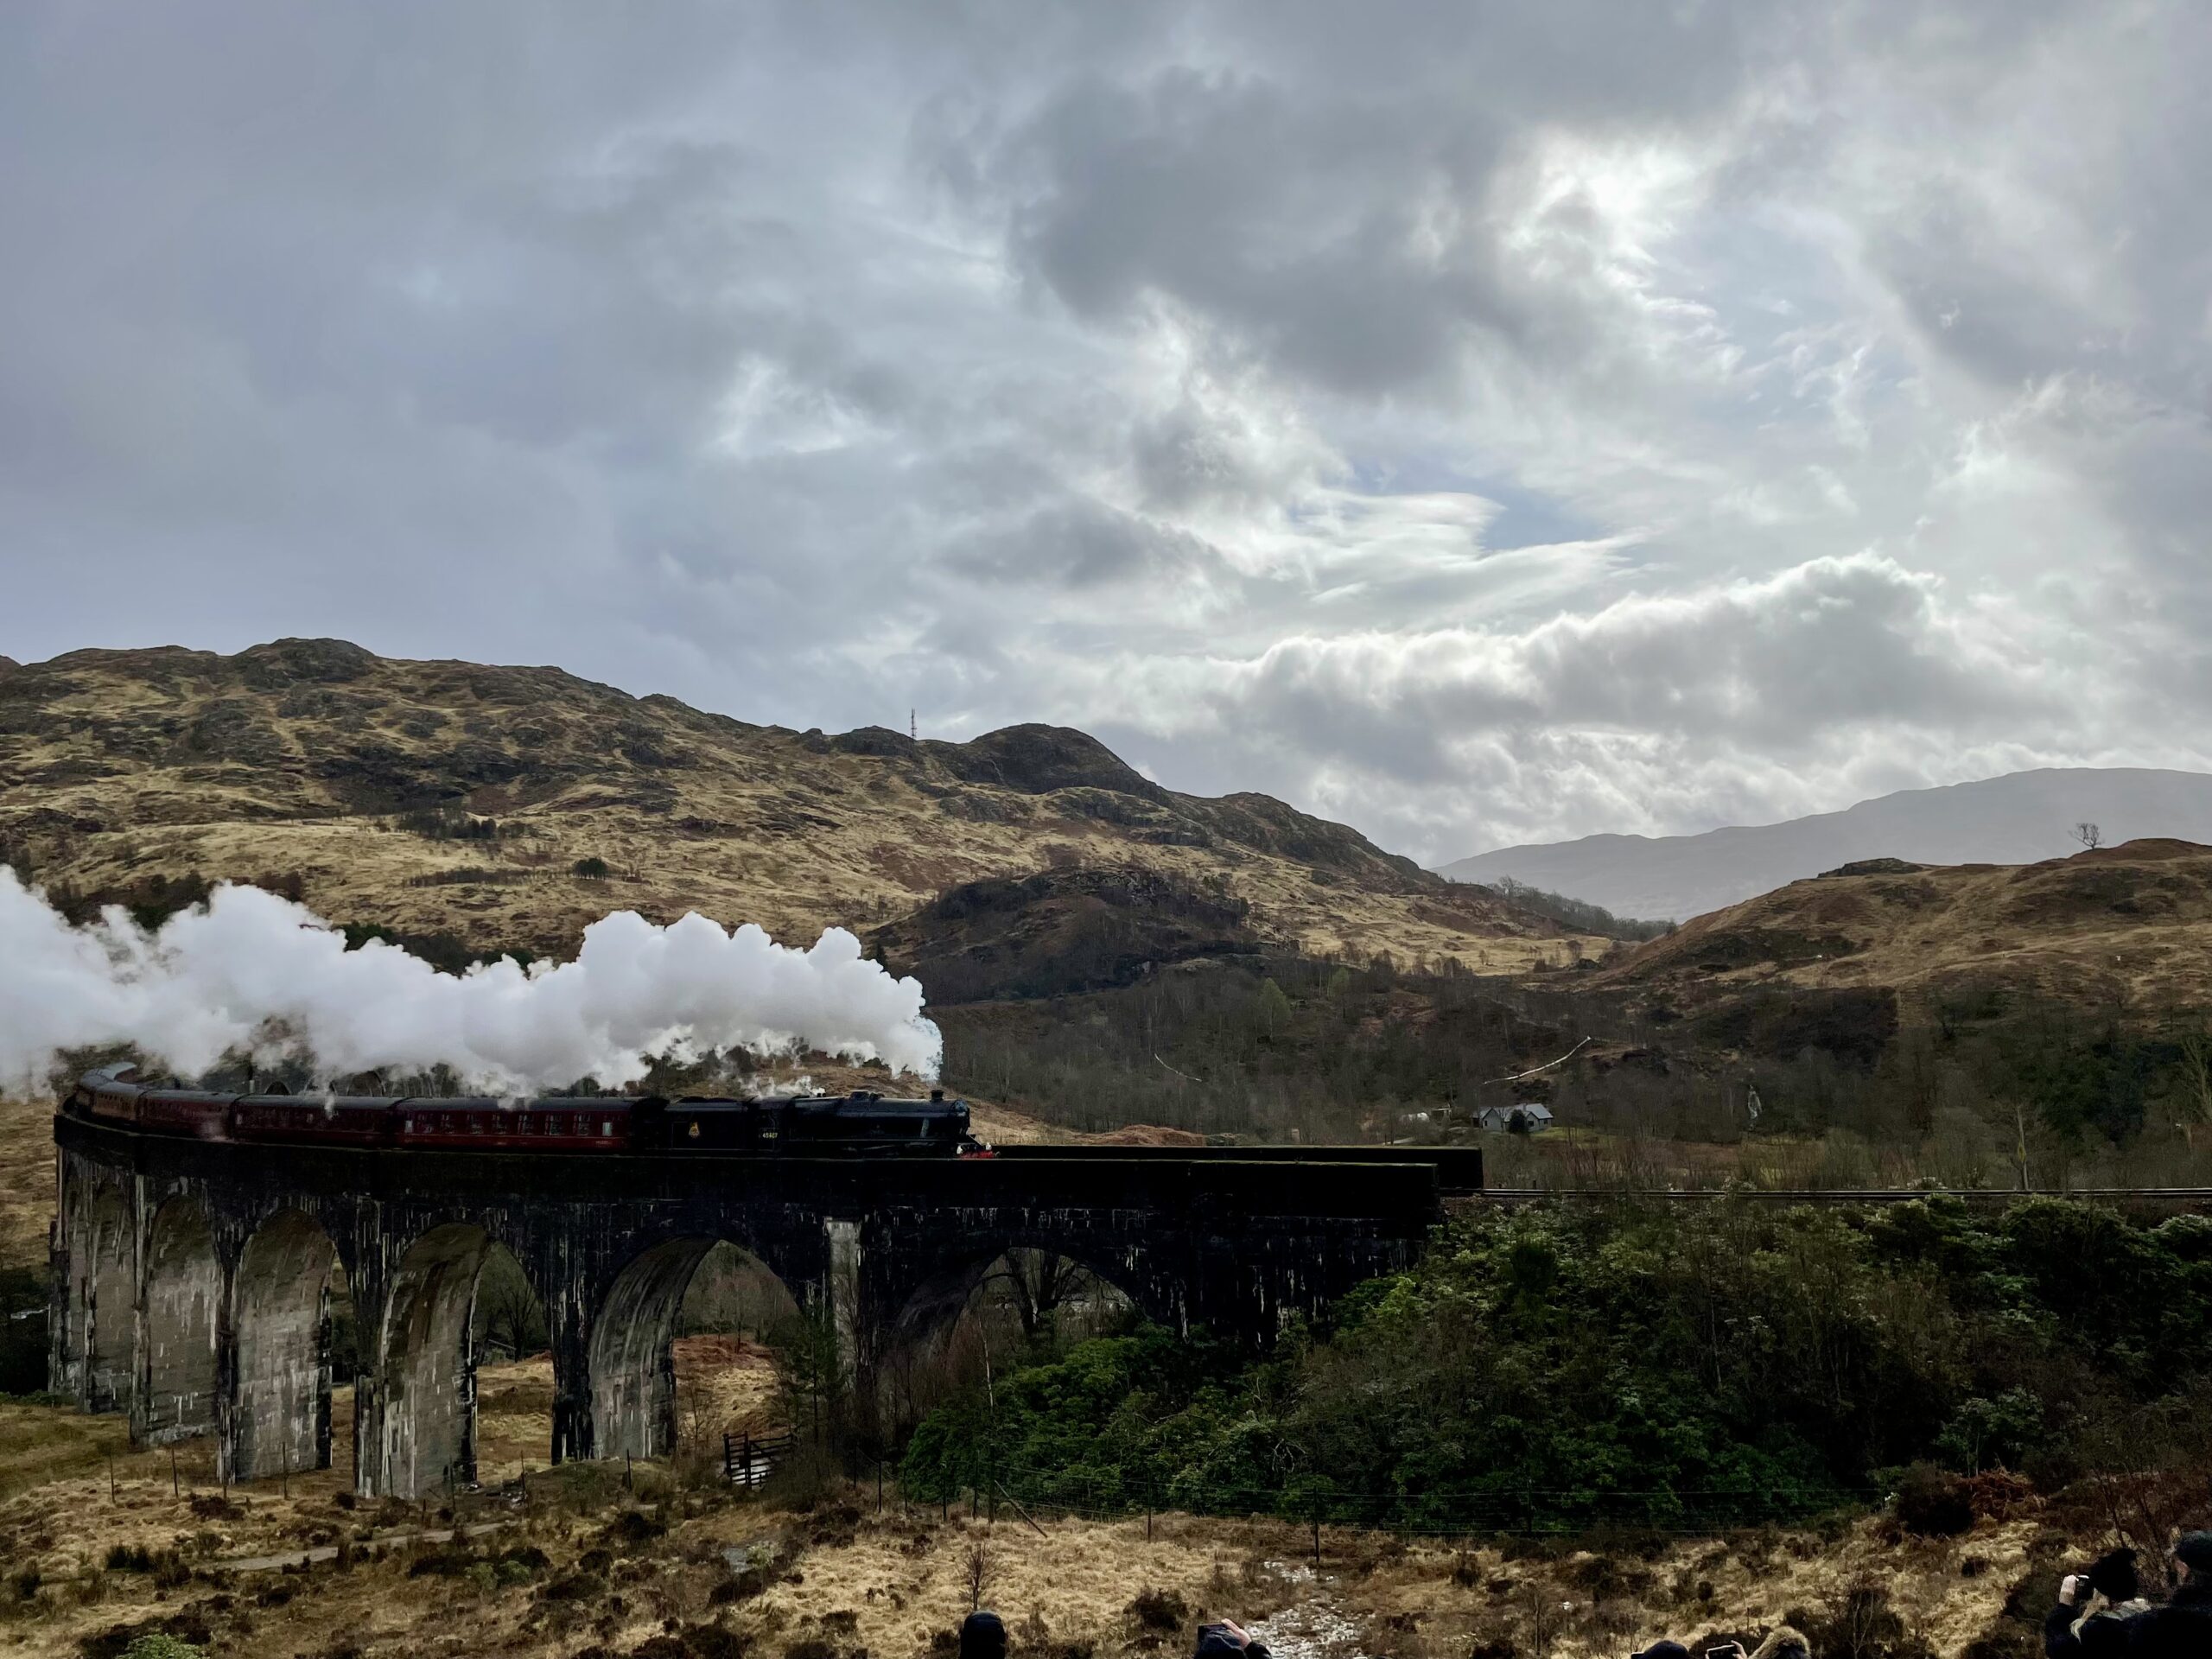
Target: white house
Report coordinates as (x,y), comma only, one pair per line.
(1533,1117)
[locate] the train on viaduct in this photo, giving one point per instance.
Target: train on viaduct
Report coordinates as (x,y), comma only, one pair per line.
(198,1239)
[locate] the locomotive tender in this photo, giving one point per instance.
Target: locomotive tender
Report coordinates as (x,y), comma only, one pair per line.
(858,1125)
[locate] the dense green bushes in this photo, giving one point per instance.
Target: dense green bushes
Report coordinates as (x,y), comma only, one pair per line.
(1560,1366)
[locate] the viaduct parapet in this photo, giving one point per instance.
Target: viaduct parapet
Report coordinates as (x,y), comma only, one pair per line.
(193,1280)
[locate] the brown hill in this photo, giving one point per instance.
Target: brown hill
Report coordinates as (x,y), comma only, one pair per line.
(481,803)
(1057,932)
(2127,926)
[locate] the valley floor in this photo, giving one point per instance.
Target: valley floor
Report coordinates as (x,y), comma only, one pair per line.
(99,1544)
(584,1566)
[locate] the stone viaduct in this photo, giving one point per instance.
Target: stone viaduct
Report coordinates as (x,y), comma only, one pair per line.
(193,1278)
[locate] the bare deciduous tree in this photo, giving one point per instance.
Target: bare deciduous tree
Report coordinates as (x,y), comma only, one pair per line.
(2088,835)
(1038,1284)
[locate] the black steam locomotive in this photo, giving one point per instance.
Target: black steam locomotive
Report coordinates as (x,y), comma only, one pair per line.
(858,1125)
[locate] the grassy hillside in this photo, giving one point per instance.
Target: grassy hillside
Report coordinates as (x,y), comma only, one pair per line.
(507,807)
(2121,927)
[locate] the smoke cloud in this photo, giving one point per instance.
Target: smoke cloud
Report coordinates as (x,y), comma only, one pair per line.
(250,973)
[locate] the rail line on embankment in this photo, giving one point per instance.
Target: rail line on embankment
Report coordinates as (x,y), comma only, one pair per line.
(2151,1195)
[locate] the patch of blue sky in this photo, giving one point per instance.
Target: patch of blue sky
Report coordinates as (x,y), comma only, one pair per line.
(1522,518)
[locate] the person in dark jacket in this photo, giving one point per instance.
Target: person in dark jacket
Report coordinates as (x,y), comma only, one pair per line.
(2080,1629)
(982,1635)
(2181,1626)
(1226,1640)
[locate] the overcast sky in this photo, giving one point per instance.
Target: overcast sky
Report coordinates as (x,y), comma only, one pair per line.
(1479,423)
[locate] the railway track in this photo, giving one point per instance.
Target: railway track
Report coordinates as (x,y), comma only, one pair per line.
(2156,1195)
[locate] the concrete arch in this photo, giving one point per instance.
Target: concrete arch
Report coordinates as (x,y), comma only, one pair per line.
(632,1352)
(109,1297)
(938,1300)
(917,1336)
(279,1303)
(424,1379)
(180,1373)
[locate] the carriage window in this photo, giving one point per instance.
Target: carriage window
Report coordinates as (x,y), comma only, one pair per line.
(694,1130)
(607,1127)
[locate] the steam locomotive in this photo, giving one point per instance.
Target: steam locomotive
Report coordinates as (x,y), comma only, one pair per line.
(858,1125)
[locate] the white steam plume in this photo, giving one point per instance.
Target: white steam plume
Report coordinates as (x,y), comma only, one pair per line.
(252,973)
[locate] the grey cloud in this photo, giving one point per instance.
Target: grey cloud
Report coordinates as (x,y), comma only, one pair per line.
(1083,544)
(1301,229)
(1148,367)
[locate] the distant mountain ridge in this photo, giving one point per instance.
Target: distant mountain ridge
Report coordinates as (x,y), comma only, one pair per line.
(2019,818)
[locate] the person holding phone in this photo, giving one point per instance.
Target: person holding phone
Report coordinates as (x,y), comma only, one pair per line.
(2091,1619)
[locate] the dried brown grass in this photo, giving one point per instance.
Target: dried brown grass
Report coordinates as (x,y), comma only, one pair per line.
(839,1570)
(26,1180)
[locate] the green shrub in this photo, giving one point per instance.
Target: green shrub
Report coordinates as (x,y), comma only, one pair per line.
(1159,1610)
(1931,1503)
(161,1647)
(1547,1368)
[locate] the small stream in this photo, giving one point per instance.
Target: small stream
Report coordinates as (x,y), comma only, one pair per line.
(1312,1628)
